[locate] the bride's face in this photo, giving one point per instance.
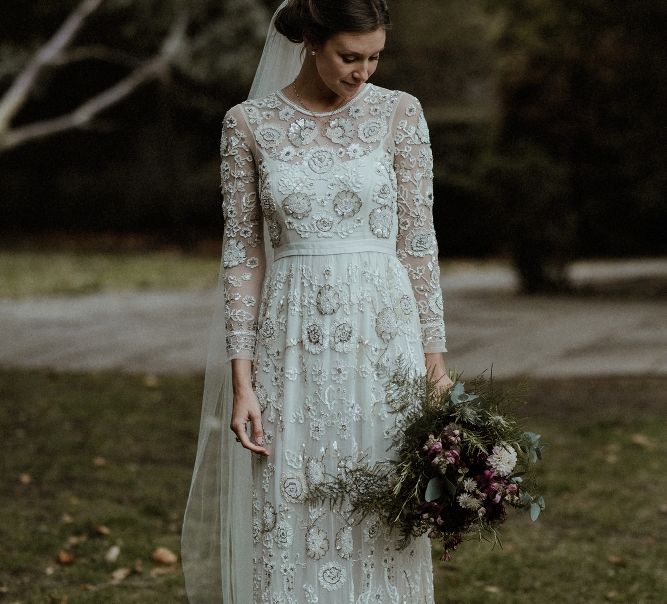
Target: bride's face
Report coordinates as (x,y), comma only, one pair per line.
(347,60)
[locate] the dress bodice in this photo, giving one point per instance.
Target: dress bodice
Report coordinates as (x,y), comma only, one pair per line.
(359,178)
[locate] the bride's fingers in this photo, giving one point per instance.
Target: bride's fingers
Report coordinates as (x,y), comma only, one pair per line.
(238,428)
(258,432)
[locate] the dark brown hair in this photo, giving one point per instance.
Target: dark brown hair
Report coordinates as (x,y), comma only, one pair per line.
(318,20)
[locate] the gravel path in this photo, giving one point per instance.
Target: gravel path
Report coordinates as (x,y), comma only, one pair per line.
(486,322)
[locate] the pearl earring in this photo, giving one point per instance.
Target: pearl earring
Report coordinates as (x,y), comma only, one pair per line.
(312,52)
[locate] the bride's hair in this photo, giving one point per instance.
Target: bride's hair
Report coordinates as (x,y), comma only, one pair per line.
(318,20)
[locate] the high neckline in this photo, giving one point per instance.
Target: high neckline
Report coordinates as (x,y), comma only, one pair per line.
(366,86)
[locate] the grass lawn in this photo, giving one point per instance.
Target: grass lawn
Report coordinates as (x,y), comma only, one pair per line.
(96,460)
(26,272)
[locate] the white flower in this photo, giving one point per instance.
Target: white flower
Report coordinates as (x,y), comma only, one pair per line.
(298,205)
(502,459)
(292,487)
(355,151)
(321,160)
(420,242)
(283,534)
(286,114)
(355,111)
(269,136)
(372,131)
(331,575)
(468,502)
(315,339)
(469,485)
(380,220)
(317,542)
(302,132)
(340,131)
(327,299)
(347,203)
(287,154)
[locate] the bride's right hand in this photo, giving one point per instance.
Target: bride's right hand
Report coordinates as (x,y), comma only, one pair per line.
(246,409)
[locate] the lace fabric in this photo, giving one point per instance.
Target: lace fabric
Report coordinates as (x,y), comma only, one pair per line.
(359,177)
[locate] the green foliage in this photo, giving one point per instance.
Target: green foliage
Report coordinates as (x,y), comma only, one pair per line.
(582,88)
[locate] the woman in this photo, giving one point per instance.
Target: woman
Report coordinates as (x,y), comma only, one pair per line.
(329,275)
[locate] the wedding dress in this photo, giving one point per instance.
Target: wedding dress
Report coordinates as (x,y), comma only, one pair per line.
(346,198)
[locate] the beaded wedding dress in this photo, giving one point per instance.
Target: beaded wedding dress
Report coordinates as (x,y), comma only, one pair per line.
(347,199)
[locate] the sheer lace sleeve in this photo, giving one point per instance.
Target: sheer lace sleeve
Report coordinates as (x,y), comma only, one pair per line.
(417,246)
(244,259)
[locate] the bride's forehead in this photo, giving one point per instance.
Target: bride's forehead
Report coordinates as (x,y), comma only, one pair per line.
(359,42)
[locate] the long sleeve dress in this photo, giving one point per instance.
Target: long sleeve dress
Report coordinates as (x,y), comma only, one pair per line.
(347,197)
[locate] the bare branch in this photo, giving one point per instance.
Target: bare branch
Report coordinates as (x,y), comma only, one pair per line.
(85,113)
(19,91)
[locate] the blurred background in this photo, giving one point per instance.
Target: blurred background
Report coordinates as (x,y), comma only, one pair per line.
(547,120)
(548,127)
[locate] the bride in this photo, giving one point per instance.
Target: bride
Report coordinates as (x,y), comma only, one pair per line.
(329,273)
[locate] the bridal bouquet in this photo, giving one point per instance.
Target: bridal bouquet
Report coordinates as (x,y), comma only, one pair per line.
(461,460)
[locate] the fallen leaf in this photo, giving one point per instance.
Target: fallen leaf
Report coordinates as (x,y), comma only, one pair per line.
(99,461)
(492,589)
(643,441)
(76,539)
(616,560)
(611,595)
(100,529)
(112,553)
(25,478)
(65,557)
(138,566)
(66,518)
(50,569)
(162,555)
(663,508)
(120,574)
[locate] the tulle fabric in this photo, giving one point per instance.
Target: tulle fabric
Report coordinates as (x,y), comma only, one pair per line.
(216,538)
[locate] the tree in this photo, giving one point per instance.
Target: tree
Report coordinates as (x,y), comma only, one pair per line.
(580,152)
(194,44)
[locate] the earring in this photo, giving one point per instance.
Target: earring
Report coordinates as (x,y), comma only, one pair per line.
(312,52)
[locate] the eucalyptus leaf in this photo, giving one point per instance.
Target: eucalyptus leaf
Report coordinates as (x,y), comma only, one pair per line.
(434,488)
(534,511)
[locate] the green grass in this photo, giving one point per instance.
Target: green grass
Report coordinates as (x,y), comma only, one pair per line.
(604,489)
(29,273)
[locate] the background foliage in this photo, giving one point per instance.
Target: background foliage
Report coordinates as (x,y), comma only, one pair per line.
(546,117)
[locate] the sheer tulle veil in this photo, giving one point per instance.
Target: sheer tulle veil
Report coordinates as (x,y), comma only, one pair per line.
(217,536)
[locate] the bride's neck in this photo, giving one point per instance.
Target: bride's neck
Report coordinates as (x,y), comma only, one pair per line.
(313,90)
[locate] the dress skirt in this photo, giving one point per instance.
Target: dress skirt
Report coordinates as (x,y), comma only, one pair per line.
(330,330)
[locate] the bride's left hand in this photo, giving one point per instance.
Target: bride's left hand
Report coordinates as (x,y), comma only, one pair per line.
(435,368)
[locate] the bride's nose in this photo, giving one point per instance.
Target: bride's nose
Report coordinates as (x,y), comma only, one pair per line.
(361,75)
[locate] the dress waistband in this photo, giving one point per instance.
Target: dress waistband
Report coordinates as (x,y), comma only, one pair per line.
(325,247)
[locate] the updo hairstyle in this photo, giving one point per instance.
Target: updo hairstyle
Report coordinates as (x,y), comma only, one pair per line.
(318,20)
